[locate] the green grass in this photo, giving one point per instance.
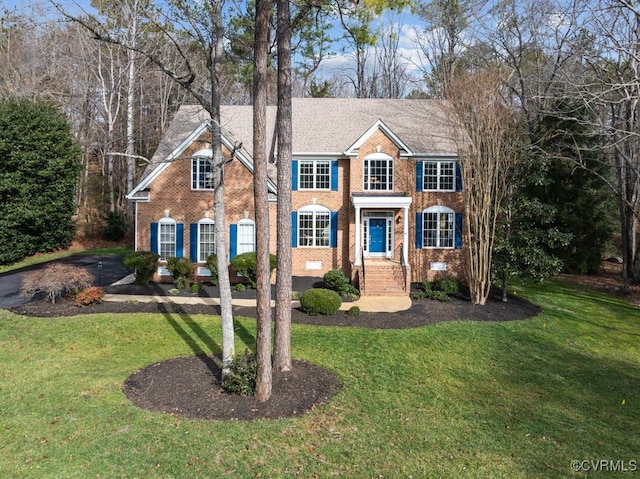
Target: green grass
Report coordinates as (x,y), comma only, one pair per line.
(460,399)
(44,257)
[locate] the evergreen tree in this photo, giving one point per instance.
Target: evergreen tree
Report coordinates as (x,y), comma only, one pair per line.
(584,206)
(527,234)
(39,168)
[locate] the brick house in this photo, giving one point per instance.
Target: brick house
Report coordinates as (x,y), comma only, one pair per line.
(376,191)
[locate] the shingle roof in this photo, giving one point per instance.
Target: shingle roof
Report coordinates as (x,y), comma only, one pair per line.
(322,125)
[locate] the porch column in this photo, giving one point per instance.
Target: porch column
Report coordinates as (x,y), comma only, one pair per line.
(405,236)
(356,251)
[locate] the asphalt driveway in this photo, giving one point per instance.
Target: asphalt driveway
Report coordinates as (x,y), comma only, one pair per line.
(106,269)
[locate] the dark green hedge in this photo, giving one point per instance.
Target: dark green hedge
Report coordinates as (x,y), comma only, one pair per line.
(39,168)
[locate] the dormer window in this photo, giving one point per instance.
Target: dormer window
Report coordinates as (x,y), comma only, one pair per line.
(378,172)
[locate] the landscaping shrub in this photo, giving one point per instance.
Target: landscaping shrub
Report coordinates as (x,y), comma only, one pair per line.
(56,280)
(181,270)
(38,178)
(447,285)
(182,282)
(195,288)
(320,301)
(92,295)
(144,264)
(240,287)
(241,377)
(439,289)
(354,312)
(212,264)
(245,264)
(336,280)
(116,226)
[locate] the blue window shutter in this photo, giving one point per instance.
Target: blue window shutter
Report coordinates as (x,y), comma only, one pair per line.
(458,177)
(419,174)
(193,242)
(334,175)
(294,175)
(294,229)
(333,238)
(233,241)
(418,230)
(154,238)
(179,240)
(458,231)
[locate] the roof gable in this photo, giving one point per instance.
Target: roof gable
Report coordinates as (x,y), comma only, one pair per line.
(379,125)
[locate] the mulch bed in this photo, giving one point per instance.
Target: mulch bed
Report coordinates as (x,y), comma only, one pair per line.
(190,386)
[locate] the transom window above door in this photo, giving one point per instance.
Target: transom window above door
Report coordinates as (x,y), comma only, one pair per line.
(378,172)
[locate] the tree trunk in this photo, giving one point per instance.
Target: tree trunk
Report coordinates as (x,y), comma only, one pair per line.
(282,351)
(226,307)
(131,146)
(263,284)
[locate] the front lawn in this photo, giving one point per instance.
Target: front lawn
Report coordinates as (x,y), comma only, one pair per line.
(459,399)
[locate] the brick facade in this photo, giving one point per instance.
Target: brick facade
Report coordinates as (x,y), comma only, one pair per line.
(170,193)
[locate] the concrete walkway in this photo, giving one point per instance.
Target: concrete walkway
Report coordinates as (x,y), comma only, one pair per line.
(369,304)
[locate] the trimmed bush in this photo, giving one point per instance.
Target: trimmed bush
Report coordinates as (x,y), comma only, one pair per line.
(195,288)
(447,285)
(353,312)
(245,264)
(144,264)
(212,264)
(241,377)
(320,301)
(56,280)
(336,280)
(116,226)
(181,269)
(439,289)
(240,287)
(87,296)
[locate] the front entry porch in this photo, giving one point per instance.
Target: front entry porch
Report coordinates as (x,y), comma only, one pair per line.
(379,266)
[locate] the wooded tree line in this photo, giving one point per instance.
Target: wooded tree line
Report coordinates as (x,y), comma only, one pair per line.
(544,92)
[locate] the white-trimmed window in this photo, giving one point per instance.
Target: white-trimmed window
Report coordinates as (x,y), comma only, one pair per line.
(439,175)
(246,236)
(167,238)
(201,173)
(314,174)
(314,226)
(206,239)
(378,172)
(438,227)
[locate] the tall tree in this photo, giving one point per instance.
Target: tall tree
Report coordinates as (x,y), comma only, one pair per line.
(196,32)
(282,352)
(486,135)
(444,40)
(611,92)
(261,200)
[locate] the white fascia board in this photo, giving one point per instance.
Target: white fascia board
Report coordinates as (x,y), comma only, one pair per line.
(319,155)
(172,156)
(435,154)
(379,125)
(381,201)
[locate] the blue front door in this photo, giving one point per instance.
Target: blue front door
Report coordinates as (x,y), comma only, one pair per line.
(377,235)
